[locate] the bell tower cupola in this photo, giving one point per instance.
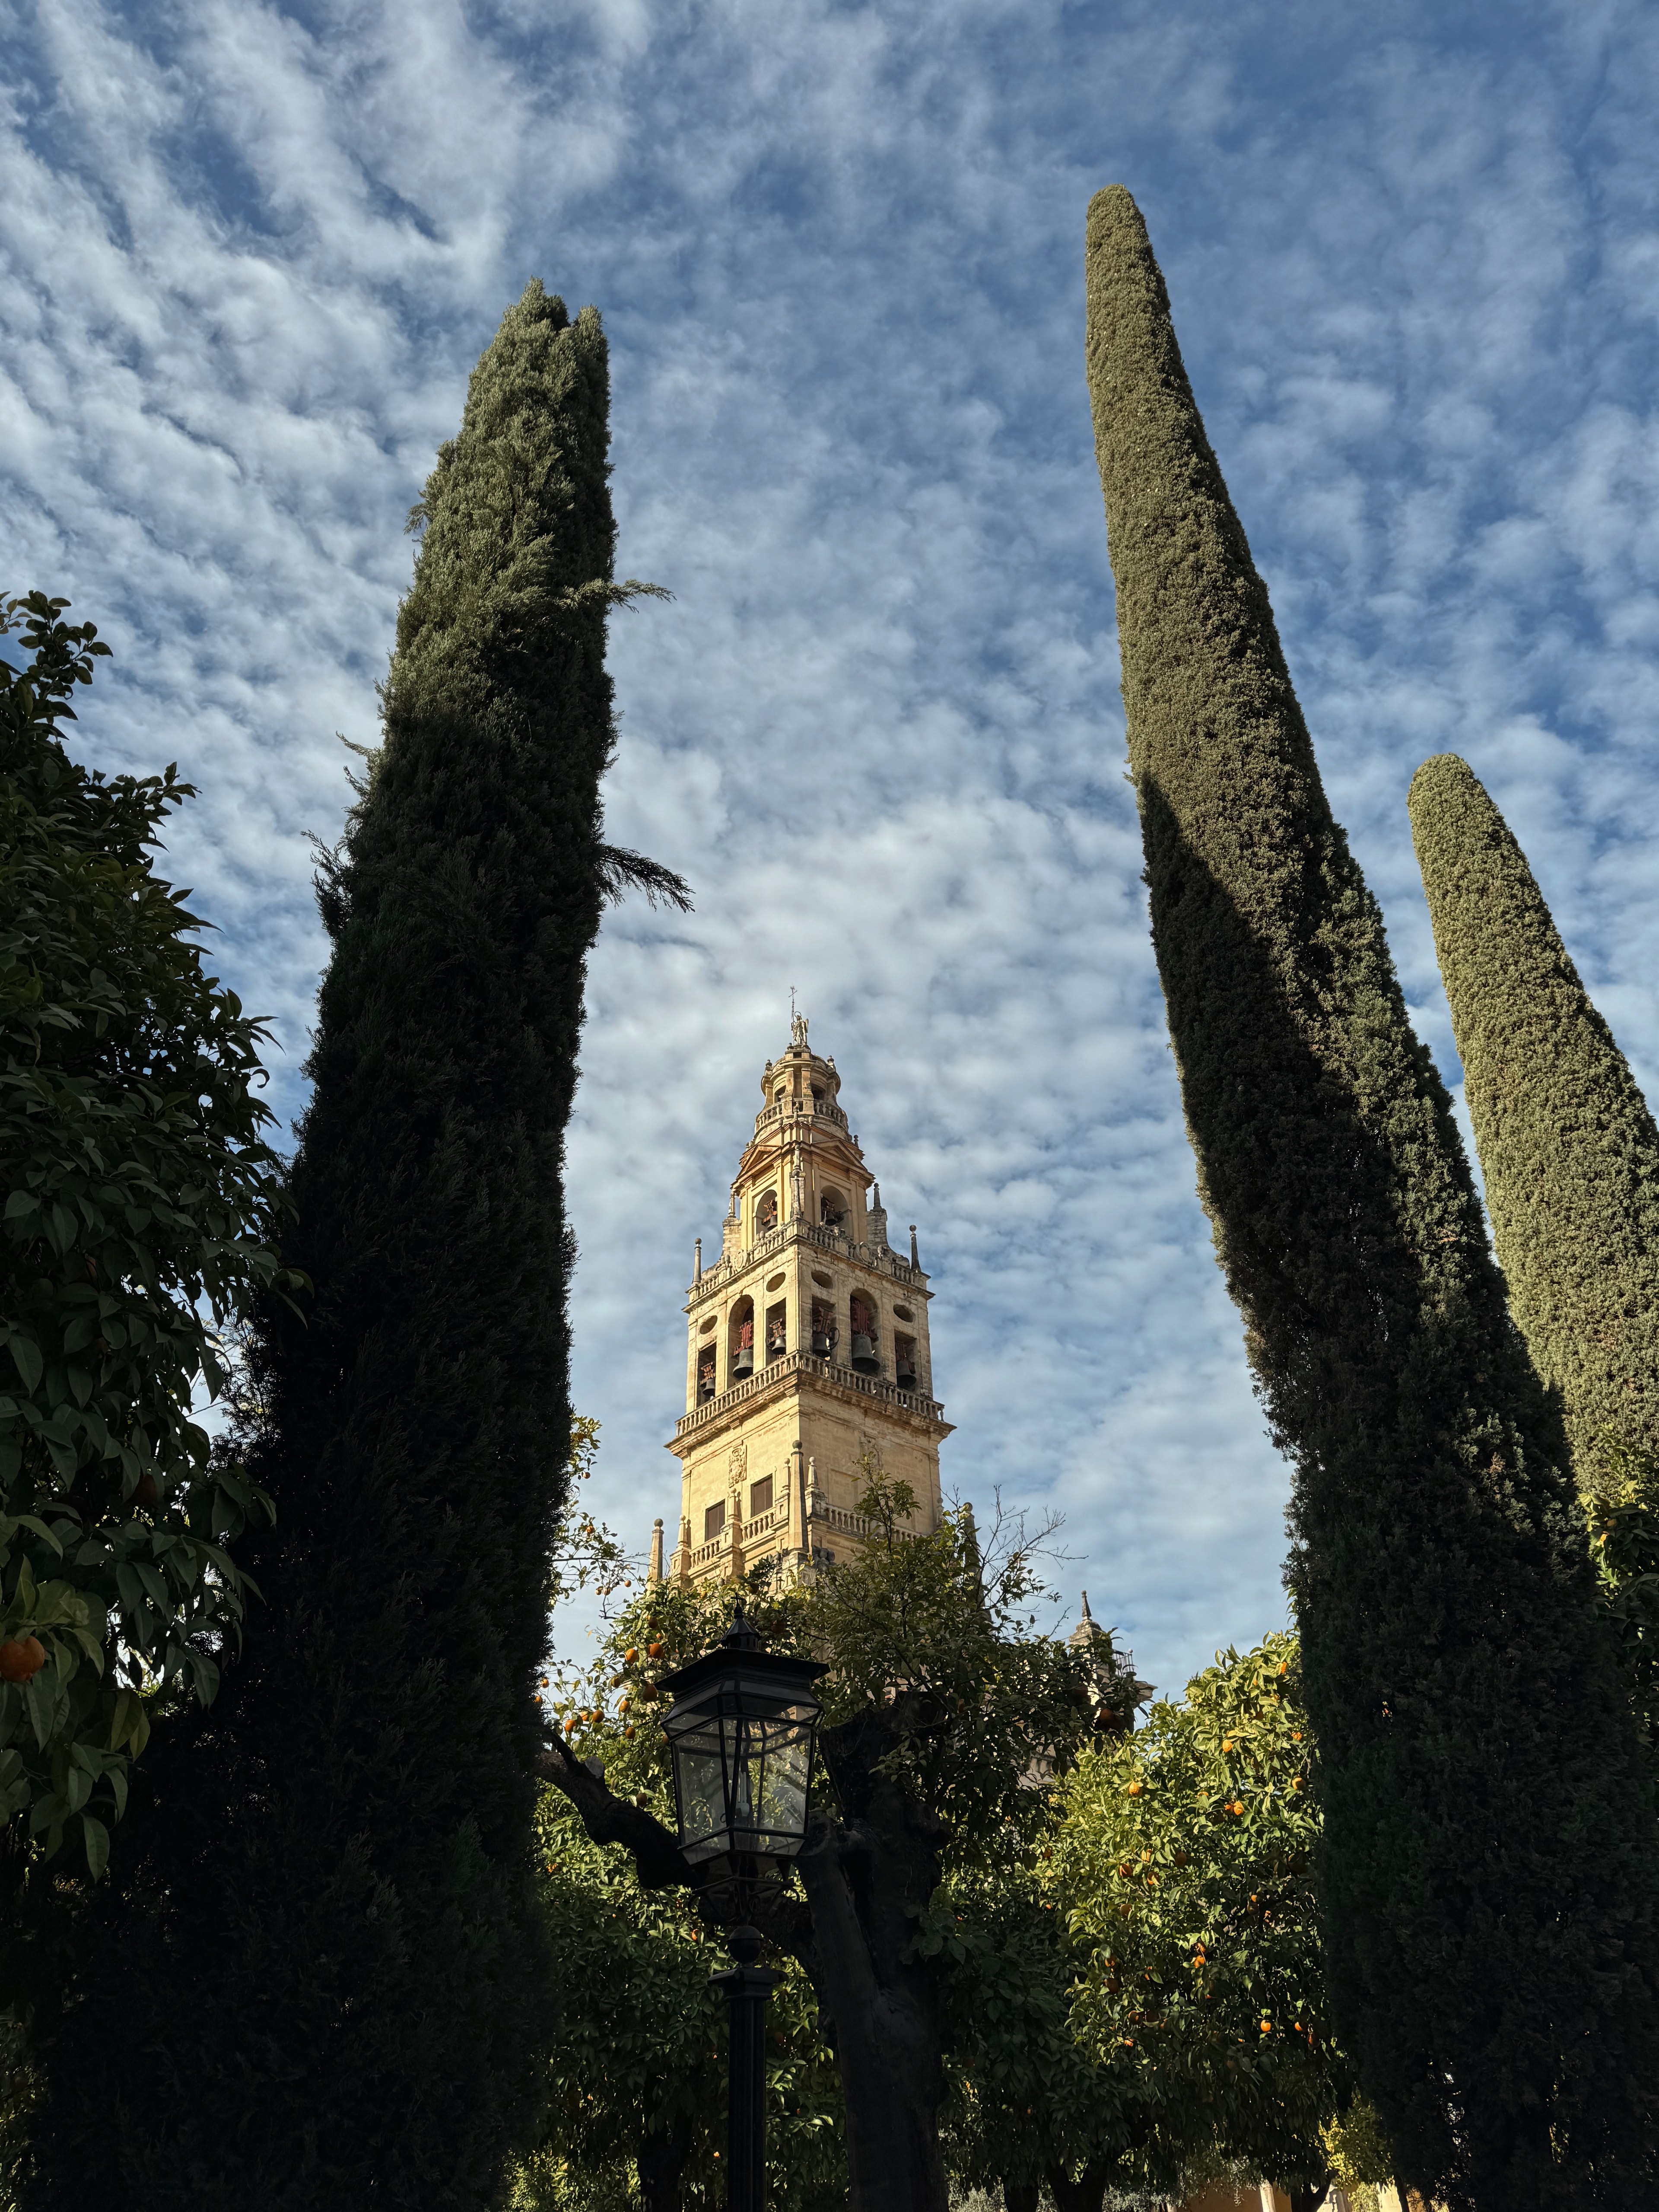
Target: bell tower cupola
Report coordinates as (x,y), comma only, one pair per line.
(807,1354)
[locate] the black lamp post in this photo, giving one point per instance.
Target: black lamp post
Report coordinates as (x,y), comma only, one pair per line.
(741,1730)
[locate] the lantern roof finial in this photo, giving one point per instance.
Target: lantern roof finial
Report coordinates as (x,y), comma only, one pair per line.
(743,1635)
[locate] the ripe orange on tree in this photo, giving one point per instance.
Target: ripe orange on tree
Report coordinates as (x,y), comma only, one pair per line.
(21,1659)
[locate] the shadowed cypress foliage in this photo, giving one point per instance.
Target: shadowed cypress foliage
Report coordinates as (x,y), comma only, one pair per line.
(1489,1839)
(1568,1149)
(338,1993)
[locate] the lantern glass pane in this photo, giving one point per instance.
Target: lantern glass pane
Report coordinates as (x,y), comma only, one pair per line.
(769,1779)
(783,1796)
(699,1779)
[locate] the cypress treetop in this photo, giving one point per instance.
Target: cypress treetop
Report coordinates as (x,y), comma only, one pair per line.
(349,2002)
(1488,1829)
(1568,1148)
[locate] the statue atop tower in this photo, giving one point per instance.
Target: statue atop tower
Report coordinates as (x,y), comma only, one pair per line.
(807,1348)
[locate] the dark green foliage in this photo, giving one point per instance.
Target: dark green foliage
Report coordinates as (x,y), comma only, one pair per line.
(140,1203)
(1489,1855)
(1026,2102)
(947,1717)
(637,2084)
(347,2000)
(1569,1152)
(947,1620)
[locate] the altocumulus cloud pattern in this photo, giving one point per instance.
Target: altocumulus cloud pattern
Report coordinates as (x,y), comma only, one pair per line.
(250,253)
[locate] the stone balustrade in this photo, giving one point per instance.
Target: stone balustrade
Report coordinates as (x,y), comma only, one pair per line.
(851,1524)
(805,1362)
(784,1110)
(822,1516)
(881,1257)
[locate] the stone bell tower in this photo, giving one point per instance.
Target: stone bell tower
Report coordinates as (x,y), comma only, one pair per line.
(807,1346)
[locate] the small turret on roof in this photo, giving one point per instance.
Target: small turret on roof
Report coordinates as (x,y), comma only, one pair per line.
(1088,1627)
(1117,1690)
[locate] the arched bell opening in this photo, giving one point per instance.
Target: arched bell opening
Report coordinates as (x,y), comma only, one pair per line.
(904,1362)
(766,1213)
(833,1211)
(824,1329)
(861,1328)
(740,1362)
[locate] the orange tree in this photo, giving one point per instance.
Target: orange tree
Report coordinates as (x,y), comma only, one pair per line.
(944,1717)
(1185,1858)
(636,2083)
(141,1207)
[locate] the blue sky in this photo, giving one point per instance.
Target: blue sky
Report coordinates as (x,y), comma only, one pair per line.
(249,255)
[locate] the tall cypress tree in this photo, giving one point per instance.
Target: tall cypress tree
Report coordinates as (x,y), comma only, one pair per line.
(1487,1880)
(1568,1148)
(338,1993)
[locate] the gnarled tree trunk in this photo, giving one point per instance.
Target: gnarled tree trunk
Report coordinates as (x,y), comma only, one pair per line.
(881,2013)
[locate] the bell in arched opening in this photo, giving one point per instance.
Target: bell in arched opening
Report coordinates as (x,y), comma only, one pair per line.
(742,1341)
(861,1323)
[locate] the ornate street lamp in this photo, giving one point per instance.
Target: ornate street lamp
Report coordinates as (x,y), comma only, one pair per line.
(741,1731)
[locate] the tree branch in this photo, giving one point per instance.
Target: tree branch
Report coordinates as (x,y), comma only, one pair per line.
(621,870)
(657,1859)
(658,1862)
